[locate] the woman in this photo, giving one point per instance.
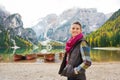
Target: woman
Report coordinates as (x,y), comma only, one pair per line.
(77,55)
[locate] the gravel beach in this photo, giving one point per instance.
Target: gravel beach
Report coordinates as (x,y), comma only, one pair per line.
(49,71)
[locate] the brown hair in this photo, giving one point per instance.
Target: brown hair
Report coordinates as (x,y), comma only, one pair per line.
(78,23)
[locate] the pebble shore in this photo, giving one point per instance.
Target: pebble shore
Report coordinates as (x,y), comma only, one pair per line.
(49,71)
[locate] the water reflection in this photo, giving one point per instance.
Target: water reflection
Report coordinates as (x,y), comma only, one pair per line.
(6,55)
(105,55)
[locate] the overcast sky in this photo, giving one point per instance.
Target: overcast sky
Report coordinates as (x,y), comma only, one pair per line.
(31,10)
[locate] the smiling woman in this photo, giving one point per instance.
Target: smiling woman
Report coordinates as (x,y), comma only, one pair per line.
(77,55)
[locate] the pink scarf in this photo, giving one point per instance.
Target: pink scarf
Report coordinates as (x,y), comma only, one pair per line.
(70,43)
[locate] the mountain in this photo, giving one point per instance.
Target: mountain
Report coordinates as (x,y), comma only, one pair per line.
(3,14)
(13,24)
(56,27)
(11,28)
(29,35)
(108,35)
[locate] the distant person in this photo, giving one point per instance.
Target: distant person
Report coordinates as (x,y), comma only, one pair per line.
(77,56)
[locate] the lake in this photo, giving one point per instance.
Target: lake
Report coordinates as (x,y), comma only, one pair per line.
(105,54)
(97,55)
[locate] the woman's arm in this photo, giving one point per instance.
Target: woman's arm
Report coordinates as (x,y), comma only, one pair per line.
(85,53)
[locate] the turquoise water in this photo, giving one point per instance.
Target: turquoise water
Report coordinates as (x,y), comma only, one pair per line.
(96,55)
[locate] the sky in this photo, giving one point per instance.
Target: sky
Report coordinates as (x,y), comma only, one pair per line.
(32,10)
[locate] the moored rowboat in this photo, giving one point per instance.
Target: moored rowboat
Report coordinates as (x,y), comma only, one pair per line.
(31,56)
(49,57)
(17,57)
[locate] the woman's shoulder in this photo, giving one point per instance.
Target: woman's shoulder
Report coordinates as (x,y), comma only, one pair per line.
(83,42)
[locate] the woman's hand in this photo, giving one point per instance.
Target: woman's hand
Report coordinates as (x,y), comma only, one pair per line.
(75,71)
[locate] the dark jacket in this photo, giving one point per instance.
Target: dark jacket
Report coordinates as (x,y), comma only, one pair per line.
(75,59)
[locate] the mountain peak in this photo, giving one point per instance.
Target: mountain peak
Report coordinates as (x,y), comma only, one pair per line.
(56,27)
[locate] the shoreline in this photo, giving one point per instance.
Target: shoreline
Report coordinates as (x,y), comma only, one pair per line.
(107,48)
(49,71)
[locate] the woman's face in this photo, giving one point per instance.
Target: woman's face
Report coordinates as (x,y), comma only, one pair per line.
(75,30)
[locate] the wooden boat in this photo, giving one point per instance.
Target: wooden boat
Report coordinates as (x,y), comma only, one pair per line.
(18,57)
(61,55)
(49,57)
(30,56)
(40,55)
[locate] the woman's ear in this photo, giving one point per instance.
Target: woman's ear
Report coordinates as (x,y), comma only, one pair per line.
(81,30)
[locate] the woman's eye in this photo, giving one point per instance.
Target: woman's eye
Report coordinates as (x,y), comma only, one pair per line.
(77,28)
(73,28)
